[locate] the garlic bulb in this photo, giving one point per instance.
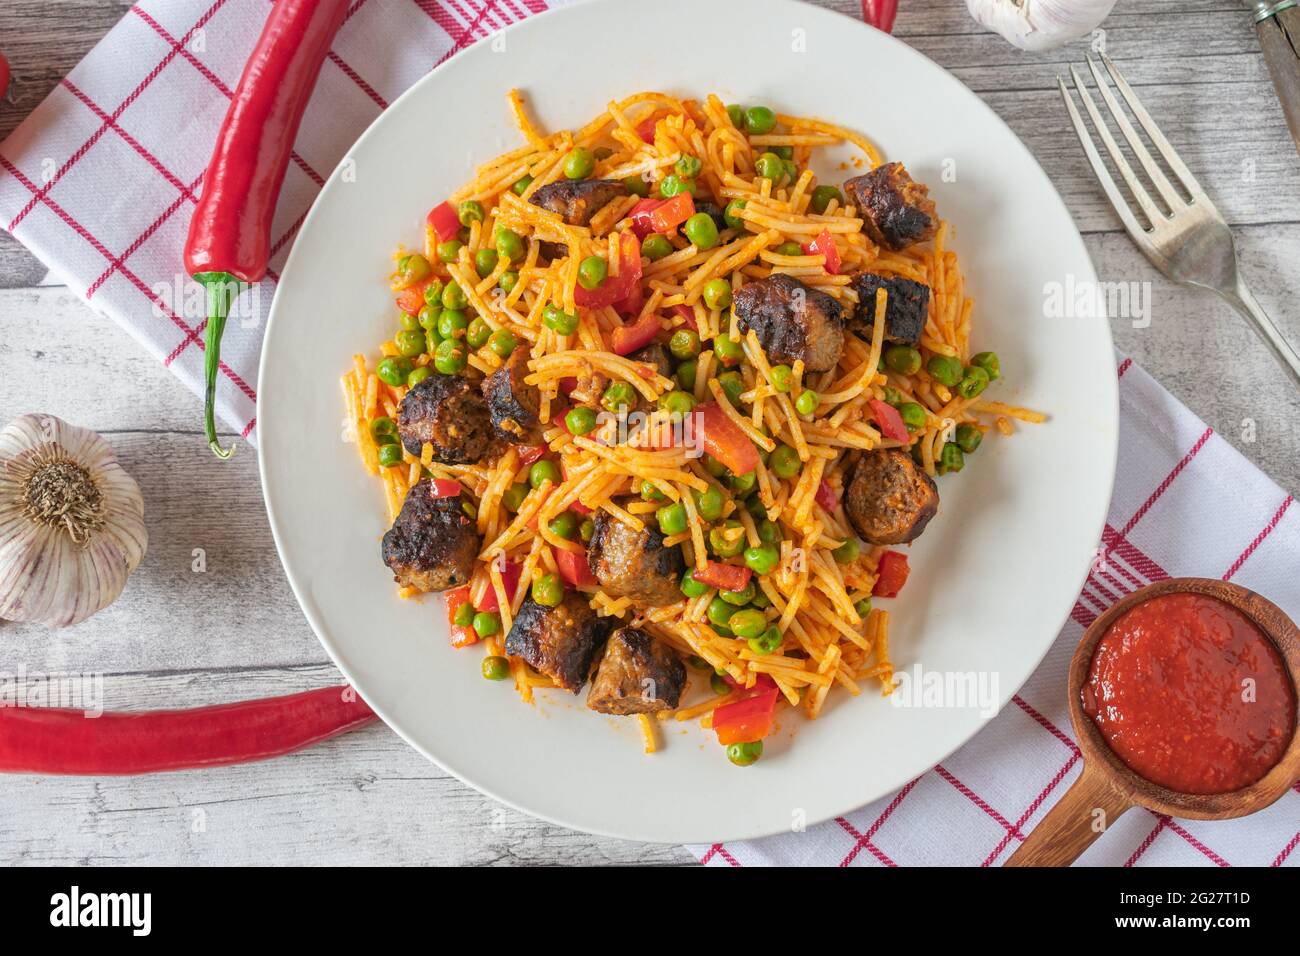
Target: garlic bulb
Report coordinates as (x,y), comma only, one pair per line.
(71,522)
(1040,24)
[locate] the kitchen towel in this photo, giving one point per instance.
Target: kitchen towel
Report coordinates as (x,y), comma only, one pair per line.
(100,182)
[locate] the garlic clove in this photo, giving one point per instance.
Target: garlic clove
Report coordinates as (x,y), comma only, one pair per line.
(1037,25)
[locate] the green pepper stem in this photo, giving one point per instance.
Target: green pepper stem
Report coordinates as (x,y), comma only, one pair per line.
(222,289)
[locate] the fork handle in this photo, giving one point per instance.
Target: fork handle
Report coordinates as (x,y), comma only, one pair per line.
(1243,300)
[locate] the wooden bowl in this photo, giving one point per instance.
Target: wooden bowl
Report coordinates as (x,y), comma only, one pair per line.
(1107,787)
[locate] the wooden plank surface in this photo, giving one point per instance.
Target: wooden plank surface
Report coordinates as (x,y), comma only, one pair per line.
(180,637)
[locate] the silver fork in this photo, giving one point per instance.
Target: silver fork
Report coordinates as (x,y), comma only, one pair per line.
(1191,243)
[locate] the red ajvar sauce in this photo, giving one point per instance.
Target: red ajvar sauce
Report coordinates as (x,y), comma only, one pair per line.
(1169,688)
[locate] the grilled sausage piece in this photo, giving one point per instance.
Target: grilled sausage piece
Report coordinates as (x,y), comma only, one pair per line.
(577,200)
(792,321)
(890,499)
(906,307)
(449,413)
(637,675)
(896,210)
(433,543)
(512,403)
(635,564)
(560,642)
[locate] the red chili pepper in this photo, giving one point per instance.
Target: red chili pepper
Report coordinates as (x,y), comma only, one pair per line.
(444,220)
(574,568)
(751,717)
(4,74)
(460,636)
(52,740)
(529,453)
(891,574)
(229,241)
(880,13)
(889,420)
(826,497)
(824,246)
(724,440)
(672,213)
(725,577)
(616,288)
(509,580)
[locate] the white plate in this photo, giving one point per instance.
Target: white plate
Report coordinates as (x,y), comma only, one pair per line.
(994,576)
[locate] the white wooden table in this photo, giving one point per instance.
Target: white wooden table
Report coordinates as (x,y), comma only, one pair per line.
(182,638)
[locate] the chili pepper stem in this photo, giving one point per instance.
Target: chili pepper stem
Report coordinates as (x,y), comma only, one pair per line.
(222,290)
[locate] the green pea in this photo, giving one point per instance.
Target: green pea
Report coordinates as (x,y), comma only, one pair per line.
(677,402)
(496,668)
(509,279)
(454,297)
(450,357)
(617,396)
(913,416)
(548,590)
(768,531)
(418,375)
(477,333)
(453,324)
(592,272)
(691,587)
(514,496)
(686,374)
(952,458)
(822,196)
(688,167)
(390,455)
(944,369)
(785,152)
(760,601)
(521,185)
(903,359)
(471,211)
(973,382)
(502,342)
(717,292)
(968,438)
(409,344)
(393,370)
(579,164)
(726,545)
(807,402)
(449,251)
(742,755)
(637,186)
(731,214)
(655,247)
(464,616)
(672,184)
(760,120)
(743,484)
(543,470)
(748,623)
(553,317)
(989,362)
(509,244)
(487,623)
(649,491)
(770,166)
(718,684)
(733,385)
(565,524)
(782,378)
(789,249)
(485,260)
(433,292)
(467,506)
(714,467)
(739,598)
(412,269)
(762,559)
(709,503)
(863,607)
(587,530)
(736,113)
(408,322)
(727,351)
(766,643)
(429,316)
(684,344)
(784,462)
(580,420)
(672,518)
(893,396)
(719,611)
(383,429)
(848,552)
(791,169)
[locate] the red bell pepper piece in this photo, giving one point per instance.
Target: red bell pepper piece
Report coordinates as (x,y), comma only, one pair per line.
(640,216)
(229,241)
(62,741)
(880,13)
(724,577)
(529,453)
(444,220)
(889,420)
(891,574)
(688,316)
(646,128)
(445,488)
(826,497)
(411,299)
(579,508)
(824,246)
(509,580)
(724,440)
(460,636)
(631,304)
(617,288)
(567,385)
(626,339)
(750,718)
(574,568)
(672,213)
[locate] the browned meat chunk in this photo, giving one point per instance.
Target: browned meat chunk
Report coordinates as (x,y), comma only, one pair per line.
(906,307)
(792,321)
(714,211)
(512,403)
(635,564)
(577,200)
(896,210)
(656,356)
(637,675)
(890,499)
(433,543)
(449,413)
(560,642)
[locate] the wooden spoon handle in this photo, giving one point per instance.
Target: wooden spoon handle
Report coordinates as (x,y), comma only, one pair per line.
(1079,817)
